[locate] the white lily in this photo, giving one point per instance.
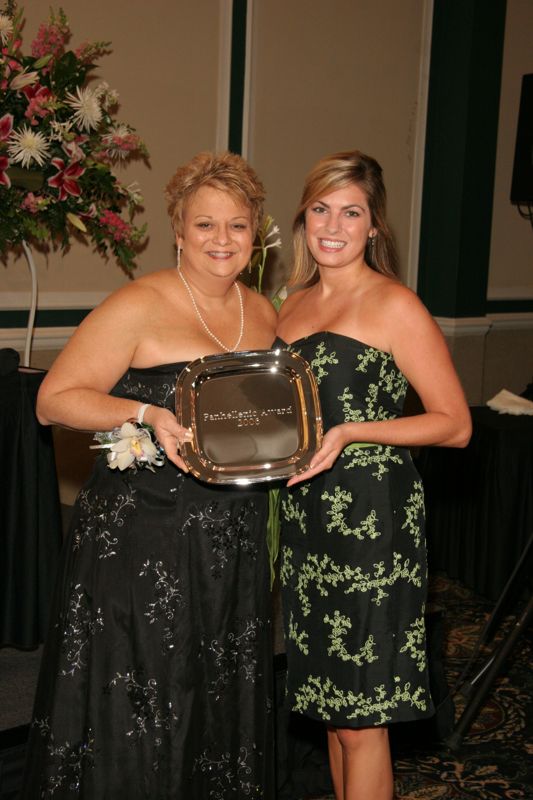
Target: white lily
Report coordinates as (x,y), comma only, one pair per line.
(23,79)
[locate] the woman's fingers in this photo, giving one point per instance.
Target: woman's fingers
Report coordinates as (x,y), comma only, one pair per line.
(321,462)
(178,461)
(171,436)
(323,459)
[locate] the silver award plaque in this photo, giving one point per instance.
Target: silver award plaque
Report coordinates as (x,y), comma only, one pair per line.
(255,416)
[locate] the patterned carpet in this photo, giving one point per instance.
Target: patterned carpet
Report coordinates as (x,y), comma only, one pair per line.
(494,759)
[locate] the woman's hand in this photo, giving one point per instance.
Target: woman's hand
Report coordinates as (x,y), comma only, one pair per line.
(333,444)
(168,433)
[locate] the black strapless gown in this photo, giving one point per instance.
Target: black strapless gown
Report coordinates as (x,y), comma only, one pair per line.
(353,559)
(156,679)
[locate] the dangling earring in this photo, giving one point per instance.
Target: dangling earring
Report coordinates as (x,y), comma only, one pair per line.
(372,246)
(178,260)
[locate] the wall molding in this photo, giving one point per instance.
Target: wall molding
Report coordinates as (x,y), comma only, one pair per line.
(43,338)
(463,326)
(512,322)
(52,300)
(480,326)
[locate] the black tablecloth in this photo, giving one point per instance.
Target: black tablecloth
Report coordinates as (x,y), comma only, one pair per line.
(479,501)
(30,512)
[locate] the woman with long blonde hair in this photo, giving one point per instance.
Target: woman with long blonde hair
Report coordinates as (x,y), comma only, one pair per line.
(353,555)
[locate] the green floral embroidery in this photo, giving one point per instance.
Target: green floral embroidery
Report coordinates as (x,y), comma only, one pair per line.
(298,638)
(339,503)
(371,413)
(324,572)
(325,696)
(304,488)
(321,358)
(340,626)
(291,510)
(378,455)
(414,511)
(392,381)
(350,414)
(287,568)
(370,356)
(415,643)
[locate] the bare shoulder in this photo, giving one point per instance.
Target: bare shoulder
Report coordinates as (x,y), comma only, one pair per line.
(160,282)
(397,302)
(259,304)
(123,313)
(291,303)
(135,295)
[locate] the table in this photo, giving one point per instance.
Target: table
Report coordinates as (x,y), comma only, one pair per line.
(479,501)
(30,511)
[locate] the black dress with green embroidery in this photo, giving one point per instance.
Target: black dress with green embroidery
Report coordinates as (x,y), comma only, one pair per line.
(353,565)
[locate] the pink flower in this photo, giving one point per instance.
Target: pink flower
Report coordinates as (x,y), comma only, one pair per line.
(120,142)
(4,177)
(73,149)
(90,213)
(65,178)
(38,100)
(6,126)
(120,231)
(31,203)
(50,39)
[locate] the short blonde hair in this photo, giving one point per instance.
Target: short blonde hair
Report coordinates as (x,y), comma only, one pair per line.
(225,171)
(336,172)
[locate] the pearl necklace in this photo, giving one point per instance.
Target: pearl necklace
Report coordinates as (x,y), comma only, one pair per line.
(204,323)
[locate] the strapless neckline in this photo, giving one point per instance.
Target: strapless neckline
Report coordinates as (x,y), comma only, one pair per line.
(313,335)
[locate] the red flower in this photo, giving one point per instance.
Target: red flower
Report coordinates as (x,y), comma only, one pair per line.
(65,178)
(37,97)
(118,229)
(4,177)
(6,126)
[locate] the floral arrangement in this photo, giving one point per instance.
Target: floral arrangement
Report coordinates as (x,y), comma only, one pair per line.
(59,143)
(130,446)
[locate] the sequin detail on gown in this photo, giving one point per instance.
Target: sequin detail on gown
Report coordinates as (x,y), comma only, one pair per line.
(156,679)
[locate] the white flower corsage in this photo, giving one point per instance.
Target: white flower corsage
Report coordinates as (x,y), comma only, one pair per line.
(130,446)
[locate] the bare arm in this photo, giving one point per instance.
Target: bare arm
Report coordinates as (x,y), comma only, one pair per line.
(75,392)
(421,353)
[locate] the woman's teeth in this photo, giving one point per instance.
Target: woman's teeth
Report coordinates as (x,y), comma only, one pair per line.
(332,244)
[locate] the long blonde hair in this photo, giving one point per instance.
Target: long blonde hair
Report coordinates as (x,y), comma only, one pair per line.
(332,173)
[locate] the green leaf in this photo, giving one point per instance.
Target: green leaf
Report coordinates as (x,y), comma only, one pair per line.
(42,62)
(76,221)
(273,530)
(68,73)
